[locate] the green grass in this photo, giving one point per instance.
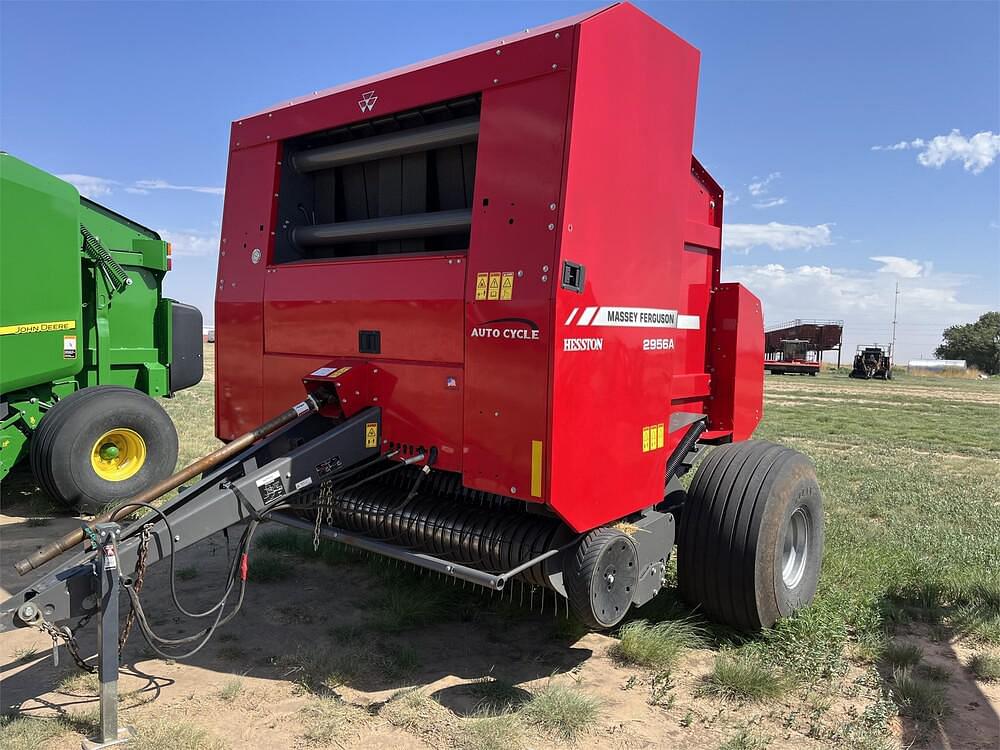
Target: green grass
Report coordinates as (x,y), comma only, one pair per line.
(985,666)
(25,654)
(921,700)
(231,689)
(409,709)
(501,732)
(744,741)
(330,720)
(656,646)
(30,733)
(300,543)
(160,732)
(897,655)
(495,697)
(742,677)
(561,710)
(78,682)
(266,567)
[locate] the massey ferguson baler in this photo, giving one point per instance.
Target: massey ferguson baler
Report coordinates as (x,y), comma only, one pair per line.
(496,276)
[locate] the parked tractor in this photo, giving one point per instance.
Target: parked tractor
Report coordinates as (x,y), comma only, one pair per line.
(86,342)
(872,361)
(495,304)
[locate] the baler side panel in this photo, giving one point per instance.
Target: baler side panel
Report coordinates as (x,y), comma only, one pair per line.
(251,185)
(509,334)
(39,249)
(633,106)
(736,351)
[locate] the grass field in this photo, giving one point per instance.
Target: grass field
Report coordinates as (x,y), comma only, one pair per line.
(900,649)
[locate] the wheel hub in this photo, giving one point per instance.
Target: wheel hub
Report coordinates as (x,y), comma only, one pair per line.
(613,587)
(795,547)
(118,454)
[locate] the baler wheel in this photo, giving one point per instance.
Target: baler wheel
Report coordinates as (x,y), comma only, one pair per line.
(102,444)
(751,540)
(600,575)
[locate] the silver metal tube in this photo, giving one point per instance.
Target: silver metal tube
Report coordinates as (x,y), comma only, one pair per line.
(412,140)
(385,228)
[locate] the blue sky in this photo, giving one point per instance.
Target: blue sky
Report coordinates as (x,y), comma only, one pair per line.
(135,101)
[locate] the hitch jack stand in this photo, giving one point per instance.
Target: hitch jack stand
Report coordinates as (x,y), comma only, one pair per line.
(109,734)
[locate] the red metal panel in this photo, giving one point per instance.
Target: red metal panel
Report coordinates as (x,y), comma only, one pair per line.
(628,169)
(421,403)
(522,131)
(481,68)
(736,351)
(247,219)
(416,303)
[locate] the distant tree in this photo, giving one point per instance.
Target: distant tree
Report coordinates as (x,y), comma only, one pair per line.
(977,343)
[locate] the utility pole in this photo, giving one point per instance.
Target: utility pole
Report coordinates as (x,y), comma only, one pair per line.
(895,309)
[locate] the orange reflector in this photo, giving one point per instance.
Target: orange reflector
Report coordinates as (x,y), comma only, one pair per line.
(170,249)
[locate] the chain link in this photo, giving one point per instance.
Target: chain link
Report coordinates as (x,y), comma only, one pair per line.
(68,635)
(324,499)
(136,584)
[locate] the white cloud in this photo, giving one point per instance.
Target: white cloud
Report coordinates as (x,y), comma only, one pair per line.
(975,153)
(88,185)
(776,236)
(192,242)
(760,186)
(904,268)
(95,187)
(164,185)
(863,299)
(771,203)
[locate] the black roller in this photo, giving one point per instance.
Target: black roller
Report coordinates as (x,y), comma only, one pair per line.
(384,228)
(409,141)
(493,539)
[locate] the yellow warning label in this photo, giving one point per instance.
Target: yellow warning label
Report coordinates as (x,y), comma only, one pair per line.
(494,290)
(507,285)
(371,434)
(56,325)
(481,284)
(338,373)
(652,437)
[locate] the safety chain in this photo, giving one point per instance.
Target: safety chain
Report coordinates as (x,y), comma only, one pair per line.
(136,583)
(324,498)
(68,635)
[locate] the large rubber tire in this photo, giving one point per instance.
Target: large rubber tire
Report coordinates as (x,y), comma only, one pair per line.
(62,445)
(596,601)
(741,556)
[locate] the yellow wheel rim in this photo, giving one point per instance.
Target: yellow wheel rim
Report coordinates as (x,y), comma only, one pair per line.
(118,454)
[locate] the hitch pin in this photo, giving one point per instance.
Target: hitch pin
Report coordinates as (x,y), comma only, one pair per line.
(55,650)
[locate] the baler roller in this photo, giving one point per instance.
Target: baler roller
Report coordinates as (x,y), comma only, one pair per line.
(411,141)
(384,228)
(489,540)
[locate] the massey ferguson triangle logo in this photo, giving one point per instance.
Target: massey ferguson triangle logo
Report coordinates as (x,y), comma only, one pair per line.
(367,101)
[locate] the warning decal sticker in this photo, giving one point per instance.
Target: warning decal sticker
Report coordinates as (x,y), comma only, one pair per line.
(494,292)
(270,487)
(69,347)
(371,434)
(506,285)
(481,284)
(495,285)
(652,437)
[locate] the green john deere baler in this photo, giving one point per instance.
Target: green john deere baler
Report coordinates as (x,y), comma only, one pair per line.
(86,341)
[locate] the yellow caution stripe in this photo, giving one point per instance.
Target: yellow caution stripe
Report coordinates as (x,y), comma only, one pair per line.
(536,468)
(55,325)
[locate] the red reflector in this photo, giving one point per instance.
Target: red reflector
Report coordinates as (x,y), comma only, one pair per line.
(170,264)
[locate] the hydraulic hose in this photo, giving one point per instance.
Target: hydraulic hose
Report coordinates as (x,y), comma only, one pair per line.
(53,549)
